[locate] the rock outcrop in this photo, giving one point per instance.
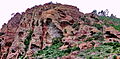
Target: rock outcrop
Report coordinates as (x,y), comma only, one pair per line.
(35,29)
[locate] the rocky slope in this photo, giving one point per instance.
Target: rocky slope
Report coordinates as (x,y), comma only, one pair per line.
(59,31)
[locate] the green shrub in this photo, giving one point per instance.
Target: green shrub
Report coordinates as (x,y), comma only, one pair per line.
(28,39)
(114,57)
(98,26)
(89,39)
(82,37)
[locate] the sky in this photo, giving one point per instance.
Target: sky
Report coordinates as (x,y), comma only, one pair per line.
(7,7)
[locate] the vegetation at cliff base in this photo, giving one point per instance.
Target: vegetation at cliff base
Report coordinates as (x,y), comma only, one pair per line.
(53,51)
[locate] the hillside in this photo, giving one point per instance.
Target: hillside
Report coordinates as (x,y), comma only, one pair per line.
(59,31)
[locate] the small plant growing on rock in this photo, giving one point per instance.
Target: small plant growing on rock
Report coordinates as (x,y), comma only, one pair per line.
(28,39)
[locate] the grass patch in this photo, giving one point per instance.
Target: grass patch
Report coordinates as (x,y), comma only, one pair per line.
(102,51)
(117,27)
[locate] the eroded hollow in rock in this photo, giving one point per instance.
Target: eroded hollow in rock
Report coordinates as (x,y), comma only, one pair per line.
(8,44)
(20,34)
(1,33)
(110,35)
(48,21)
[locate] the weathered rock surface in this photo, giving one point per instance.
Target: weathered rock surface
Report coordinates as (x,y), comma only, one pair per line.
(34,29)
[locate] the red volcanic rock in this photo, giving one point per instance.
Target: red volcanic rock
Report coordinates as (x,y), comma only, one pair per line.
(12,23)
(84,46)
(9,31)
(33,30)
(43,21)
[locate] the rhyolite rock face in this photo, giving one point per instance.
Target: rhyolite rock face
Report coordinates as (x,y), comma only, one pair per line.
(34,29)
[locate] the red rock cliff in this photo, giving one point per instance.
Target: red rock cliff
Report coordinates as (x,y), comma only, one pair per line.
(45,21)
